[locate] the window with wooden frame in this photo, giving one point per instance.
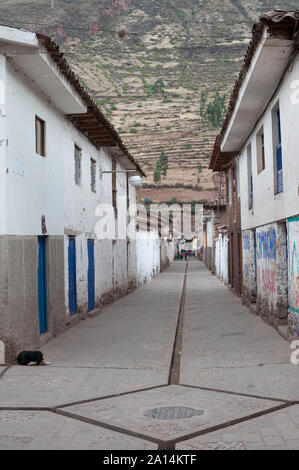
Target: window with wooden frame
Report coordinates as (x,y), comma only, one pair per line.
(93,169)
(128,191)
(230,187)
(114,187)
(249,177)
(77,162)
(277,147)
(238,176)
(40,137)
(260,144)
(234,190)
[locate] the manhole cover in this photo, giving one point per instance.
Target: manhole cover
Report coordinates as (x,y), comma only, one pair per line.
(172,412)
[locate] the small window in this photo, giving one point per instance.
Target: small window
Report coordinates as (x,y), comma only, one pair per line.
(93,168)
(77,161)
(114,187)
(40,127)
(250,179)
(230,187)
(128,190)
(238,176)
(277,147)
(260,144)
(128,258)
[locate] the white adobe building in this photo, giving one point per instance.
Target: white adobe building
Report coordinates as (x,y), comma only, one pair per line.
(54,147)
(156,244)
(260,137)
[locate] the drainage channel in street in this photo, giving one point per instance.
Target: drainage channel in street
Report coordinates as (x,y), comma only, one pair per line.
(175,366)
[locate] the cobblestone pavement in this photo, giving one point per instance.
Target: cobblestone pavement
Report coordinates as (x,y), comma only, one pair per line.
(135,378)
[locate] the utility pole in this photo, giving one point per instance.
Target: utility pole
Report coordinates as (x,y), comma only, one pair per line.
(52,3)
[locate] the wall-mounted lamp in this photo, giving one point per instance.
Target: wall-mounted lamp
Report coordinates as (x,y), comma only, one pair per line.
(135,181)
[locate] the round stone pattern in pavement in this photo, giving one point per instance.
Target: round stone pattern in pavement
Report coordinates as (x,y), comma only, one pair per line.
(172,412)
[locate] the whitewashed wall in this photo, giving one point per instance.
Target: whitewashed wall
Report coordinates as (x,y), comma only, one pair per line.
(147,256)
(221,258)
(171,251)
(3,157)
(293,275)
(112,269)
(268,207)
(209,233)
(34,184)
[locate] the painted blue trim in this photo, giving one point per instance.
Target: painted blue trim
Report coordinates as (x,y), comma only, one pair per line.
(72,276)
(91,275)
(293,219)
(42,286)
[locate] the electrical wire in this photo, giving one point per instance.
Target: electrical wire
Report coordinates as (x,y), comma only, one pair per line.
(76,28)
(82,53)
(207,22)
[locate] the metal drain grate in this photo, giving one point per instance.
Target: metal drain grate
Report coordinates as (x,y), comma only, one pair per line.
(172,412)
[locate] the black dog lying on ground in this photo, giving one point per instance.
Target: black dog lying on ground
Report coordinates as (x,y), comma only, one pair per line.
(26,358)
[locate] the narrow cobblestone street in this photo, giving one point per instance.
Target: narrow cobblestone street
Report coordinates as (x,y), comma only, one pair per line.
(178,364)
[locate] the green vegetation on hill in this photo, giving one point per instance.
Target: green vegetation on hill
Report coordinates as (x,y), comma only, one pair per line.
(164,85)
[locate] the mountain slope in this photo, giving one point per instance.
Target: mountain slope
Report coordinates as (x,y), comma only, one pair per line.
(151,83)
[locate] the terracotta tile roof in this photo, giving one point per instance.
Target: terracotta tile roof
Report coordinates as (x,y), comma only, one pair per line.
(100,130)
(280,23)
(108,134)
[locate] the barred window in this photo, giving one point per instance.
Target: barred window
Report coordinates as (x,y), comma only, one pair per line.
(40,140)
(250,177)
(114,187)
(93,167)
(260,142)
(77,157)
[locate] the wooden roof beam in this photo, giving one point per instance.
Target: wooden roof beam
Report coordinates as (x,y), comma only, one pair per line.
(90,126)
(81,116)
(89,121)
(104,142)
(99,133)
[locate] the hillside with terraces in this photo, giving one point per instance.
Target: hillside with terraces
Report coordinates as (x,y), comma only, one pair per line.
(147,64)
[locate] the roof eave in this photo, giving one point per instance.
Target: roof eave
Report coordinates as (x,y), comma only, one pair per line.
(110,135)
(277,24)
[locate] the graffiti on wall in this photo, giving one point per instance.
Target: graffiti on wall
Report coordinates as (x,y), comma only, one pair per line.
(246,242)
(266,244)
(266,260)
(267,279)
(246,271)
(293,268)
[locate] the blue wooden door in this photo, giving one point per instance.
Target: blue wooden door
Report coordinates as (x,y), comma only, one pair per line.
(72,276)
(251,192)
(90,275)
(42,285)
(279,156)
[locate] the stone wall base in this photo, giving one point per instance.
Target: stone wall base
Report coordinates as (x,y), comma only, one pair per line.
(106,299)
(248,296)
(19,320)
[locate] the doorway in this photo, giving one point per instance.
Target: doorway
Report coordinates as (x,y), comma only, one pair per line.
(90,275)
(72,276)
(42,285)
